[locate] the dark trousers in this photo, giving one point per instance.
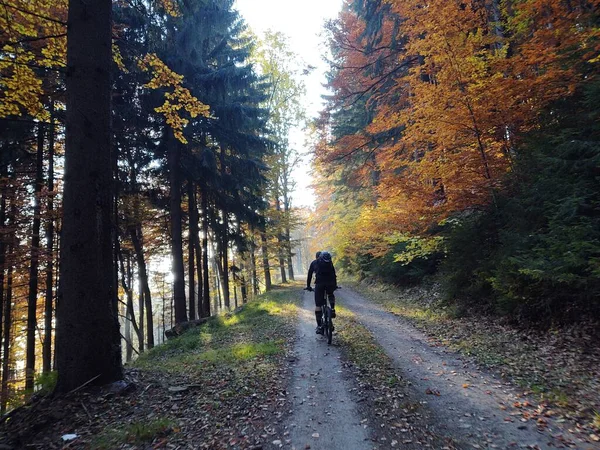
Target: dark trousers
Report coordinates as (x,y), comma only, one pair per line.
(320,290)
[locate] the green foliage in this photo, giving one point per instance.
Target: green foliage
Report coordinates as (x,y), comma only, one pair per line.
(46,382)
(471,241)
(404,263)
(553,262)
(416,247)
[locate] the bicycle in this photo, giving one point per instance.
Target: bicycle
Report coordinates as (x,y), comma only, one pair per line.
(327,323)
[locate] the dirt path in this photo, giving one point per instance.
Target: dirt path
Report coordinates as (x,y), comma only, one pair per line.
(323,414)
(476,409)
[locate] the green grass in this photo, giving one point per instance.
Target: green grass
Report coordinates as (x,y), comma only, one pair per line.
(441,321)
(596,420)
(358,342)
(230,339)
(241,352)
(133,433)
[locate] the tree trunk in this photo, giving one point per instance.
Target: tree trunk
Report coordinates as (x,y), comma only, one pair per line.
(288,241)
(33,267)
(216,271)
(3,236)
(290,263)
(178,270)
(191,252)
(88,338)
(127,287)
(141,309)
(206,279)
(280,240)
(225,262)
(198,253)
(225,238)
(136,238)
(253,270)
(6,347)
(265,258)
(9,246)
(128,336)
(164,323)
(243,286)
(49,300)
(280,250)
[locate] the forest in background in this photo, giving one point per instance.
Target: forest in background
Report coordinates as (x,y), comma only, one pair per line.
(200,217)
(461,139)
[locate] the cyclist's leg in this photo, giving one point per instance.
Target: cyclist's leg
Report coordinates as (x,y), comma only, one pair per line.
(330,289)
(319,297)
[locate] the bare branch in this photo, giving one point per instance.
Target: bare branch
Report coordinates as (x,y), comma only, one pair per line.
(33,39)
(31,13)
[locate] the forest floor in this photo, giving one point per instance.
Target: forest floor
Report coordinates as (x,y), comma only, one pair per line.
(221,385)
(262,379)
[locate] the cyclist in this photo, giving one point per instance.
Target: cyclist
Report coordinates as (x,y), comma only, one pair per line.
(325,281)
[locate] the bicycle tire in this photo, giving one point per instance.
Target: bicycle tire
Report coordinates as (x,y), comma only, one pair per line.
(328,327)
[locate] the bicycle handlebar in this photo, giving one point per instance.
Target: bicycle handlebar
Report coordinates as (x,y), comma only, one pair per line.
(310,289)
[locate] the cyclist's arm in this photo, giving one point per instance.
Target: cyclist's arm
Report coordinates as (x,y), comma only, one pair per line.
(311,269)
(334,277)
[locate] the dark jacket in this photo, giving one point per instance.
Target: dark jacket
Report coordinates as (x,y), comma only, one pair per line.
(320,278)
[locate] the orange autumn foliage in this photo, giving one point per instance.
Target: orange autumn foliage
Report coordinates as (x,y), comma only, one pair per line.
(456,86)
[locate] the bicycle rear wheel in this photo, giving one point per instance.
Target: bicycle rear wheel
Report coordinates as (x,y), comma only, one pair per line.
(328,326)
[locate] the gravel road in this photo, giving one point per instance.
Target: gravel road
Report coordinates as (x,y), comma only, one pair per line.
(323,416)
(467,403)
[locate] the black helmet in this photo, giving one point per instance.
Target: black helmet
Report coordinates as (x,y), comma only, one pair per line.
(326,256)
(318,254)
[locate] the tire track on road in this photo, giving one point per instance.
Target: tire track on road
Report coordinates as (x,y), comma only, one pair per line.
(466,403)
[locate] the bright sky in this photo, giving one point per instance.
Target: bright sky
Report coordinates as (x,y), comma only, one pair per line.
(302,22)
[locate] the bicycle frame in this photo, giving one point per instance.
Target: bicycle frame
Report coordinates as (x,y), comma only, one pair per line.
(327,323)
